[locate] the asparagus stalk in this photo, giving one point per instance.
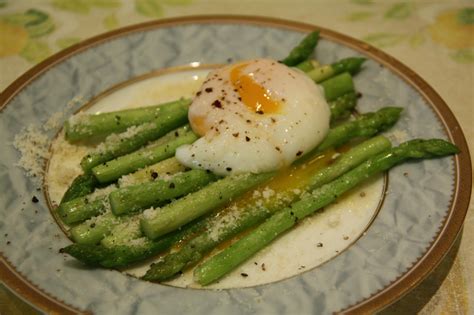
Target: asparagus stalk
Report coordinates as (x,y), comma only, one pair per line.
(138,197)
(351,65)
(135,137)
(337,86)
(163,168)
(82,185)
(186,254)
(342,106)
(94,229)
(192,206)
(367,125)
(303,50)
(224,262)
(82,208)
(254,213)
(82,127)
(125,164)
(308,65)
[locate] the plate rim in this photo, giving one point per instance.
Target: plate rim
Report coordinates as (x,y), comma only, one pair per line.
(451,225)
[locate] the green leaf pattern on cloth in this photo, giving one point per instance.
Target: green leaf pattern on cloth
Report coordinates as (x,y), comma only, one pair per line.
(399,11)
(149,8)
(463,56)
(36,51)
(65,42)
(110,22)
(383,40)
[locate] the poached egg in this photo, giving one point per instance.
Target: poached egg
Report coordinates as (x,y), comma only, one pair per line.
(254,116)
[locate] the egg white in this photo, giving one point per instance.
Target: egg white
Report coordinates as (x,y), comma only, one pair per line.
(237,138)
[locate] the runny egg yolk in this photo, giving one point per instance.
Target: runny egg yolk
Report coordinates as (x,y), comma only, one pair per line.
(253,95)
(255,116)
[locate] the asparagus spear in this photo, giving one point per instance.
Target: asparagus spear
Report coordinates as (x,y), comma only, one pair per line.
(342,106)
(94,229)
(351,65)
(163,168)
(254,213)
(192,206)
(304,49)
(224,262)
(82,208)
(125,164)
(82,185)
(93,235)
(135,137)
(308,65)
(366,125)
(138,197)
(82,127)
(337,86)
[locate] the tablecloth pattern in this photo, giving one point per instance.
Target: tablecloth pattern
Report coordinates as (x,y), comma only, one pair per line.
(434,38)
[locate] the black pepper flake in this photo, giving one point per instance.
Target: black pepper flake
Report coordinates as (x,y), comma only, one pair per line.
(208,90)
(248,121)
(34,199)
(247,139)
(172,185)
(319,245)
(243,274)
(359,95)
(6,234)
(228,169)
(263,267)
(235,134)
(221,121)
(255,263)
(208,171)
(8,242)
(273,120)
(217,104)
(176,134)
(198,93)
(405,174)
(299,153)
(278,149)
(154,175)
(92,225)
(260,112)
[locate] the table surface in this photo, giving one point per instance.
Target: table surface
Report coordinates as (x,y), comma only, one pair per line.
(434,38)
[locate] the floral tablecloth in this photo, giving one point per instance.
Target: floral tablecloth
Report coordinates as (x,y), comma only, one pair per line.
(435,38)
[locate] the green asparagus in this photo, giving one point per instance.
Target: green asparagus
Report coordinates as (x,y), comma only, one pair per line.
(351,65)
(224,262)
(308,65)
(135,137)
(89,235)
(303,50)
(138,197)
(83,126)
(125,164)
(82,185)
(342,106)
(194,205)
(337,86)
(254,213)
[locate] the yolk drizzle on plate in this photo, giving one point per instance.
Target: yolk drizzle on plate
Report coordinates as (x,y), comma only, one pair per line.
(253,95)
(287,185)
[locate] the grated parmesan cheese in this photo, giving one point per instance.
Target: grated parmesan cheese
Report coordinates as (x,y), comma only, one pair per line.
(32,144)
